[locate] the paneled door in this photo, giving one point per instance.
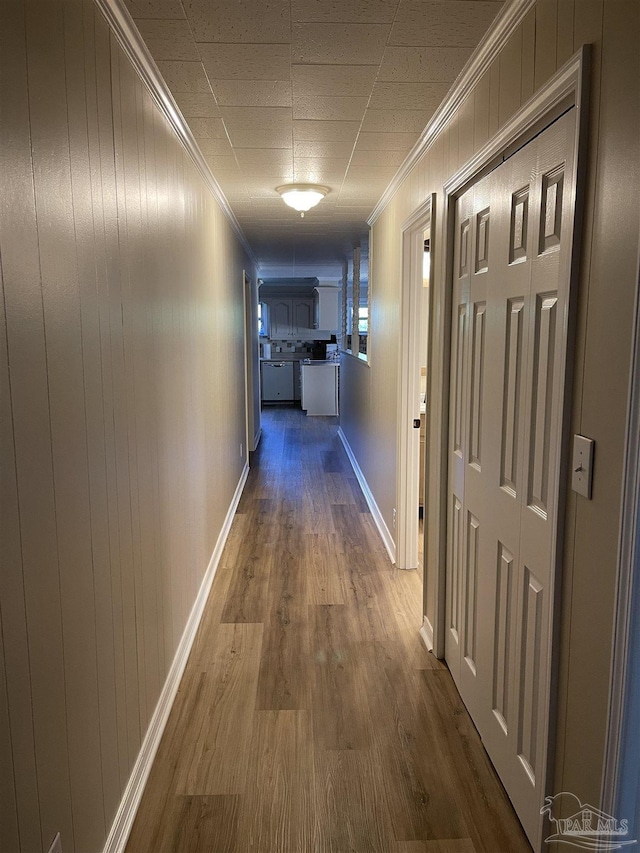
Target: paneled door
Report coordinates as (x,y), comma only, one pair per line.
(511,272)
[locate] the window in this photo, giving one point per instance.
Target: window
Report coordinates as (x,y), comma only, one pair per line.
(355,328)
(363,327)
(262,311)
(348,317)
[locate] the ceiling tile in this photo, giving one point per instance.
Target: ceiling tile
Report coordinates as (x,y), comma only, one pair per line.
(362,186)
(215,147)
(370,173)
(223,164)
(334,80)
(331,131)
(250,137)
(248,22)
(265,161)
(265,117)
(252,93)
(385,141)
(194,105)
(338,44)
(407,96)
(264,185)
(207,128)
(459,23)
(377,158)
(261,158)
(423,65)
(233,184)
(155,9)
(184,76)
(246,61)
(169,40)
(327,108)
(339,11)
(258,127)
(264,188)
(320,148)
(404,121)
(314,170)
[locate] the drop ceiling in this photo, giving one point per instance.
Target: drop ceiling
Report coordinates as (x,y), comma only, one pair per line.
(334,92)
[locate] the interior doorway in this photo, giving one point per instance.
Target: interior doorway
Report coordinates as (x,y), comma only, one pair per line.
(412,510)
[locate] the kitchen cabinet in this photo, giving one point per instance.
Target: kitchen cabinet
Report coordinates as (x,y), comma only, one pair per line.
(327,309)
(297,387)
(280,319)
(320,388)
(302,310)
(289,317)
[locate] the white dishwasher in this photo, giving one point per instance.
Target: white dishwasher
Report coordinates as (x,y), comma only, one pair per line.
(277,381)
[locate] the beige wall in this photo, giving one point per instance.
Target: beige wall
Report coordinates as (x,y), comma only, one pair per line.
(121,416)
(551,32)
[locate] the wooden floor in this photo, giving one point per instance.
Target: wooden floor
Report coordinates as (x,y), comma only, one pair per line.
(310,716)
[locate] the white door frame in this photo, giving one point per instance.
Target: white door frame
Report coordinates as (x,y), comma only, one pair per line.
(567,88)
(626,629)
(251,361)
(407,484)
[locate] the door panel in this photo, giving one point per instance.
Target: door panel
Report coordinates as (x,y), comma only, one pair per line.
(508,360)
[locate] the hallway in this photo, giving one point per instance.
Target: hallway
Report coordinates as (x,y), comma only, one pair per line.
(310,716)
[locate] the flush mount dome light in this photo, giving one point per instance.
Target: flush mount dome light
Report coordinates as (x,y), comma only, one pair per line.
(302,197)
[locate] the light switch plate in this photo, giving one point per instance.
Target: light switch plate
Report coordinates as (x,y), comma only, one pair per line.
(582,465)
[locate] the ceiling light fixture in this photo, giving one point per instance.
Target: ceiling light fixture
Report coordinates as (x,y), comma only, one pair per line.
(302,197)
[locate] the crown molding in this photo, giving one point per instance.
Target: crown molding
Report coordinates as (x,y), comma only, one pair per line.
(123,27)
(507,20)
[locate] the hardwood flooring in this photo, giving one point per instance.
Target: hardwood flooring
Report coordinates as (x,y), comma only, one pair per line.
(311,719)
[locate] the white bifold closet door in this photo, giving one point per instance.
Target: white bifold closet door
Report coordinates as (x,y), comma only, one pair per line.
(513,233)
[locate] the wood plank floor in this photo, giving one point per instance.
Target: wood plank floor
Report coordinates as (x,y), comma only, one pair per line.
(310,717)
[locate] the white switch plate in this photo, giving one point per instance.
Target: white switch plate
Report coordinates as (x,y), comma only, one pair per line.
(56,847)
(582,465)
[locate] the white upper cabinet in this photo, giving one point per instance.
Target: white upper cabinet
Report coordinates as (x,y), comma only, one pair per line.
(327,308)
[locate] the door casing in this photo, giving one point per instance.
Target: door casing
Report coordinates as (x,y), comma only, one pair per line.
(408,453)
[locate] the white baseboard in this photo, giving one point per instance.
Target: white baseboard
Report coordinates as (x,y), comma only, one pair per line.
(384,531)
(123,822)
(426,632)
(257,437)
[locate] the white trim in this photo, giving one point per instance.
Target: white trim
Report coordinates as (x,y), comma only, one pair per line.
(384,531)
(505,24)
(123,821)
(628,568)
(426,632)
(408,449)
(130,40)
(257,437)
(564,90)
